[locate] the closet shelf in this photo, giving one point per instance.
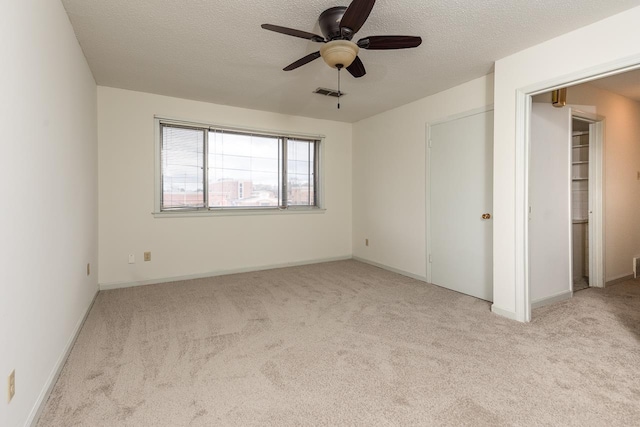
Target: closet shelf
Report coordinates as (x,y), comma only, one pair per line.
(583,162)
(580,221)
(580,146)
(579,179)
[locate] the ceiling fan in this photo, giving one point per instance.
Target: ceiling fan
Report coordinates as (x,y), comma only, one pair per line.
(339,24)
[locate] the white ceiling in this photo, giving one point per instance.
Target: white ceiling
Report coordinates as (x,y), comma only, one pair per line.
(215,51)
(625,84)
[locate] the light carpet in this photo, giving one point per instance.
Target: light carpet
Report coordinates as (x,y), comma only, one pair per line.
(346,343)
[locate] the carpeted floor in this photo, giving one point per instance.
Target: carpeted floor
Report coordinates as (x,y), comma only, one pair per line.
(346,343)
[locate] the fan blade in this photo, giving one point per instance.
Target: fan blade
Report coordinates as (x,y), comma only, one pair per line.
(357,68)
(300,62)
(294,33)
(356,14)
(389,42)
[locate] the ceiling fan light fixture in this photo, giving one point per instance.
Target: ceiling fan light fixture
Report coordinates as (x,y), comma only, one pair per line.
(339,52)
(338,25)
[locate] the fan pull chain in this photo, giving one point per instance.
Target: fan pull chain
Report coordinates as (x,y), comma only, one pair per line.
(339,68)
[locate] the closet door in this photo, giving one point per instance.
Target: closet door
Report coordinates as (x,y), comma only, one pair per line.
(550,202)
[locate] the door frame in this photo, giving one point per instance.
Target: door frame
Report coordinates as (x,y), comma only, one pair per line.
(596,196)
(522,146)
(427,150)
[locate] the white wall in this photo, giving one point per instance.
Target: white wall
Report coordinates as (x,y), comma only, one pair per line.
(48,220)
(389,176)
(622,163)
(205,245)
(604,44)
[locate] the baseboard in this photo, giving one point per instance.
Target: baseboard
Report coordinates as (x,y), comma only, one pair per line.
(38,407)
(118,285)
(619,279)
(504,313)
(393,270)
(552,299)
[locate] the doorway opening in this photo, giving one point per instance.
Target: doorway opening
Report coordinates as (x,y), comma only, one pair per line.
(602,191)
(580,143)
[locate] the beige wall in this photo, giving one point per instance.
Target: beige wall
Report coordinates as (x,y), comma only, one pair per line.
(389,176)
(205,245)
(606,44)
(49,221)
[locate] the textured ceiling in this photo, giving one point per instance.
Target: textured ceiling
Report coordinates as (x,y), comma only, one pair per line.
(215,51)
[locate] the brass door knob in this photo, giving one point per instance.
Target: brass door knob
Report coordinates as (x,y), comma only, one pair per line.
(486,216)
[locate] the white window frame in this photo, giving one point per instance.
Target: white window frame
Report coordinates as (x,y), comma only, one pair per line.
(270,210)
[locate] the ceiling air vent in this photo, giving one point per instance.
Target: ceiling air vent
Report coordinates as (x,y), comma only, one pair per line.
(328,92)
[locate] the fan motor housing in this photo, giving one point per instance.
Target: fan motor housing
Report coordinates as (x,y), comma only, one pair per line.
(330,23)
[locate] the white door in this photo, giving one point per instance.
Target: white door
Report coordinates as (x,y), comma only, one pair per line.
(550,203)
(461,188)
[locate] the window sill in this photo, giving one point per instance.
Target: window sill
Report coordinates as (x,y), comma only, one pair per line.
(237,212)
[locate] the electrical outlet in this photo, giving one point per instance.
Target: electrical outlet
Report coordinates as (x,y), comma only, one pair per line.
(88,268)
(132,259)
(366,242)
(12,385)
(147,256)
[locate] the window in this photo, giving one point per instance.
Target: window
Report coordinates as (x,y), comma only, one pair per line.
(182,168)
(206,168)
